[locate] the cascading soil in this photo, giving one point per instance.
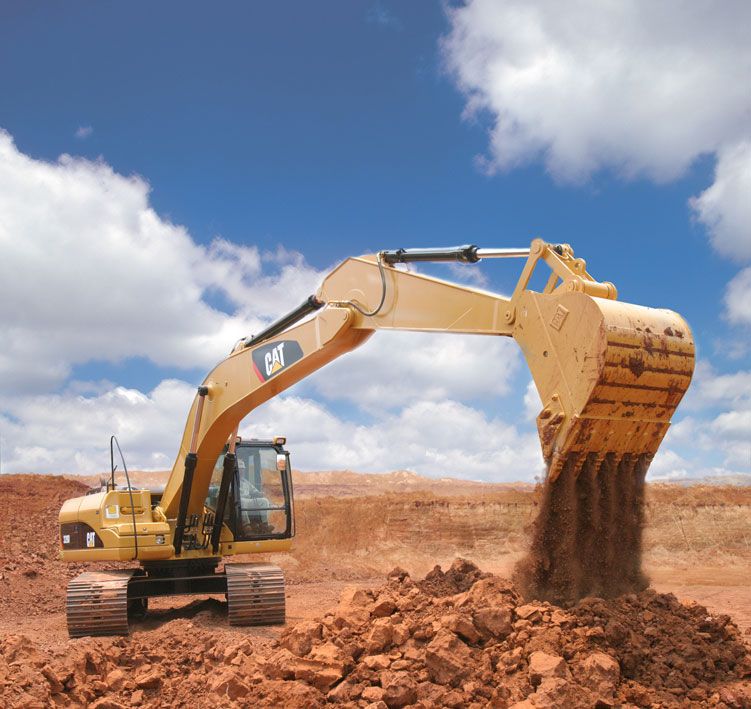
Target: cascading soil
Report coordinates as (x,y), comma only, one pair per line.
(586,540)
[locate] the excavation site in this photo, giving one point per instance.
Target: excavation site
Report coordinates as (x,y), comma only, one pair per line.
(411,595)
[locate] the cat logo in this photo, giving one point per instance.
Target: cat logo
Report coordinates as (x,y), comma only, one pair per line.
(271,359)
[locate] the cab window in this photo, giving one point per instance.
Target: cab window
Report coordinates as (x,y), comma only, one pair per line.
(260,495)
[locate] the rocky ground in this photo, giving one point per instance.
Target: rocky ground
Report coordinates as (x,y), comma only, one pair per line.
(458,637)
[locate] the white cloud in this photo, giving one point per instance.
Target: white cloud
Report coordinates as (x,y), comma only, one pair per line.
(532,401)
(725,207)
(89,271)
(642,88)
(70,433)
(430,437)
(738,298)
(83,132)
(716,435)
(395,369)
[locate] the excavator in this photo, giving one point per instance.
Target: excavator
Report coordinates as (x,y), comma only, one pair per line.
(609,375)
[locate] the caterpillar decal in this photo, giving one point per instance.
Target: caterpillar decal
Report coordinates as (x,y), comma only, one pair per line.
(271,359)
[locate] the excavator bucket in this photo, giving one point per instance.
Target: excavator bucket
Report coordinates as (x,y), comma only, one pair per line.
(610,375)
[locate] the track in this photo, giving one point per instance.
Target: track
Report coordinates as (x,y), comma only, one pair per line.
(97,603)
(255,594)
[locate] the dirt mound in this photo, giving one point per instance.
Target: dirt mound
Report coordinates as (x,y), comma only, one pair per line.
(460,577)
(31,573)
(587,537)
(405,644)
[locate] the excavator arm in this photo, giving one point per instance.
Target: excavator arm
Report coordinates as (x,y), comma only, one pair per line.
(609,374)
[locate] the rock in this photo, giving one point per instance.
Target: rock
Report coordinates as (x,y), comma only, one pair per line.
(380,635)
(383,607)
(328,654)
(559,617)
(398,574)
(447,658)
(149,680)
(399,633)
(352,609)
(115,679)
(227,684)
(530,611)
(354,596)
(543,666)
(280,665)
(372,694)
(377,705)
(376,662)
(495,622)
(399,689)
(462,626)
(600,672)
(136,698)
(106,703)
(324,666)
(555,692)
(55,684)
(341,693)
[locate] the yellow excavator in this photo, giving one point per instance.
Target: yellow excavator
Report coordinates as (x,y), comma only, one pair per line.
(610,375)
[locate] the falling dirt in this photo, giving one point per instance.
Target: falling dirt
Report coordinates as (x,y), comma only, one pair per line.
(587,538)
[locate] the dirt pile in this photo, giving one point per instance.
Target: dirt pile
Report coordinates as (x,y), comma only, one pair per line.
(31,573)
(407,643)
(587,537)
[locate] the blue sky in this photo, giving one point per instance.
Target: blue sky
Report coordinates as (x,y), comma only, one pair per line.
(276,139)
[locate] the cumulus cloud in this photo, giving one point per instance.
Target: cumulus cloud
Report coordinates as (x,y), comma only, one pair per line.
(70,432)
(89,271)
(738,298)
(394,369)
(715,437)
(725,207)
(83,132)
(642,88)
(430,437)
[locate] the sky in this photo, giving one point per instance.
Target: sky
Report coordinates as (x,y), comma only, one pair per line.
(176,175)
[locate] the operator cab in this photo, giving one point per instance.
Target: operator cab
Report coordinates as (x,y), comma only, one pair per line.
(259,505)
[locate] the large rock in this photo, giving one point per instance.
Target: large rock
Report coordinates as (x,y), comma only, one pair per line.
(299,638)
(544,666)
(353,607)
(494,622)
(400,689)
(462,626)
(600,672)
(380,636)
(228,684)
(555,692)
(447,658)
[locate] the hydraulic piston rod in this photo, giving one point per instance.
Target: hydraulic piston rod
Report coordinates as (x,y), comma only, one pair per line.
(464,254)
